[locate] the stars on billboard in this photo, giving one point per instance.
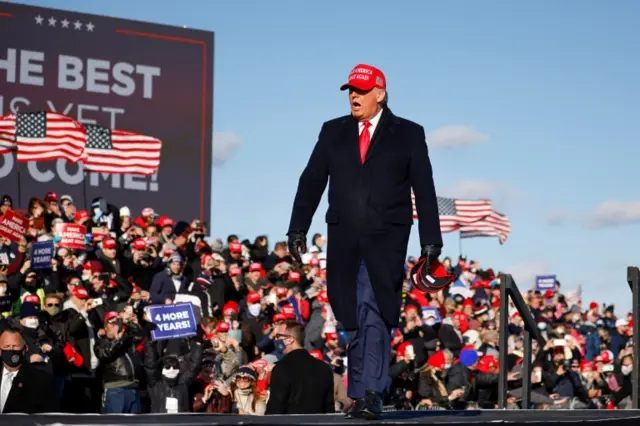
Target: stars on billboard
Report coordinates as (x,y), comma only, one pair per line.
(64,23)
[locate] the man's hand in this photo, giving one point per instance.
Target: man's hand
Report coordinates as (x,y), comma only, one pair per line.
(297,244)
(46,348)
(431,253)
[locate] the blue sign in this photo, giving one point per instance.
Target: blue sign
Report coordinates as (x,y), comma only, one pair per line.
(545,282)
(172,321)
(41,255)
(431,311)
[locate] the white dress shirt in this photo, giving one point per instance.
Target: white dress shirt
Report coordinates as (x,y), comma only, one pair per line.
(7,382)
(374,122)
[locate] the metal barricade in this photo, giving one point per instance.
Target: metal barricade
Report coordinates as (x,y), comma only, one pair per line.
(509,291)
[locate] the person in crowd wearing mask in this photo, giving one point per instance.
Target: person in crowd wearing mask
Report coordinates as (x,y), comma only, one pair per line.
(166,284)
(39,345)
(593,383)
(244,393)
(597,341)
(431,386)
(121,366)
(24,284)
(626,387)
(300,384)
(462,375)
(210,394)
(169,379)
(23,387)
(560,381)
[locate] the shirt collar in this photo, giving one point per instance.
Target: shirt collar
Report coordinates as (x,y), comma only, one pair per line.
(374,120)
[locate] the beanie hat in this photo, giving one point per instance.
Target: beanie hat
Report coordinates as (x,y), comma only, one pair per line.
(468,357)
(28,310)
(246,372)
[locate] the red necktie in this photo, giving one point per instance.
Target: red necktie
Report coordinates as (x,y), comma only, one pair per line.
(365,140)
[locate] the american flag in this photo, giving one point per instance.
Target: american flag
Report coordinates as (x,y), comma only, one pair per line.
(494,225)
(43,136)
(7,134)
(456,213)
(118,151)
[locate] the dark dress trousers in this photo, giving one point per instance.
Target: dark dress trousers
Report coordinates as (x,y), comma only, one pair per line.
(369,222)
(33,392)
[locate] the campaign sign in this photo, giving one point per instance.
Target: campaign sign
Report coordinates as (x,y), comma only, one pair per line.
(5,304)
(431,311)
(545,282)
(72,236)
(13,226)
(172,321)
(135,76)
(41,255)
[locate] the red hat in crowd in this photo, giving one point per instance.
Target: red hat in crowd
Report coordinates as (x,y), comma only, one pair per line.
(109,243)
(110,316)
(253,298)
(279,317)
(322,297)
(34,299)
(487,364)
(72,355)
(81,215)
(51,196)
(314,263)
(365,77)
(138,244)
(80,293)
(165,221)
(234,271)
(281,291)
(255,267)
(403,348)
(222,327)
(437,360)
(294,276)
(317,354)
(230,307)
(235,247)
(332,335)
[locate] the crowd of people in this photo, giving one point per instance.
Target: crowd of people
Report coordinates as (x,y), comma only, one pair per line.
(81,323)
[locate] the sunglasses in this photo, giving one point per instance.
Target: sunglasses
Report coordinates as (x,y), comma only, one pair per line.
(53,305)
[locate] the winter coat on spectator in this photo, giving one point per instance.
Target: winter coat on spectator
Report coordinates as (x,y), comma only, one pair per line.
(163,287)
(450,338)
(119,360)
(81,334)
(313,328)
(161,388)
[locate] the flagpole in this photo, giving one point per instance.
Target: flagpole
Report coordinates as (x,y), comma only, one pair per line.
(19,184)
(460,243)
(84,190)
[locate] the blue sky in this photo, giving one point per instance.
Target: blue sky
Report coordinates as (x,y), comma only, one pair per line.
(534,104)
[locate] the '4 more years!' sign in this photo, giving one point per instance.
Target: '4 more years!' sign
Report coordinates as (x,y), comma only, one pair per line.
(173,321)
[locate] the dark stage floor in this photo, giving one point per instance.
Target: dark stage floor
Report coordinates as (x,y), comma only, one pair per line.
(513,417)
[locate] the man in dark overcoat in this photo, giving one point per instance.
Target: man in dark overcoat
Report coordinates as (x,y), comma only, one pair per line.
(371,159)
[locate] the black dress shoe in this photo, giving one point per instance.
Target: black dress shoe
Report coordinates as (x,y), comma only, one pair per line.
(372,406)
(354,411)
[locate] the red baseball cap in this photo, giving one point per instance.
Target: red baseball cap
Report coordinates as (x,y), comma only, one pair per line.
(365,77)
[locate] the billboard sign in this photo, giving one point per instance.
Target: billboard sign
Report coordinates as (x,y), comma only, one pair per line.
(147,78)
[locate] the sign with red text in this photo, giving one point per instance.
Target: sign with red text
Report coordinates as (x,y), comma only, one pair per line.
(13,226)
(148,78)
(72,236)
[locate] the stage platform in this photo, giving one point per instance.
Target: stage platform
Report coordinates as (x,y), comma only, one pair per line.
(512,417)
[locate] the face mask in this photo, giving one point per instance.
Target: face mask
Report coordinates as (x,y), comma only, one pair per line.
(170,373)
(12,358)
(430,323)
(626,369)
(31,322)
(279,345)
(447,366)
(536,376)
(254,309)
(560,331)
(542,326)
(3,291)
(587,375)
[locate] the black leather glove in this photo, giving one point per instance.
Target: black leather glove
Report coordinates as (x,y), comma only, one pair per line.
(431,253)
(297,244)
